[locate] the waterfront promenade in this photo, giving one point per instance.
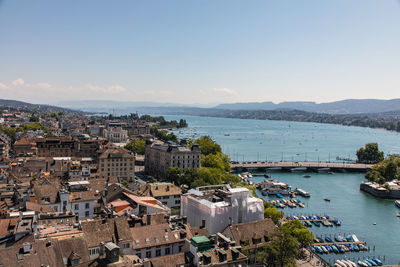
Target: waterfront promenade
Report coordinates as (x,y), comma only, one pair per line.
(301,166)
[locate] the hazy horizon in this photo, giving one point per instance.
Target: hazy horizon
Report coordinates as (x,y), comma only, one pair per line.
(199,52)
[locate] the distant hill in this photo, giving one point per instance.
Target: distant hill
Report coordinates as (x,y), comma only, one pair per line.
(8,103)
(110,106)
(348,106)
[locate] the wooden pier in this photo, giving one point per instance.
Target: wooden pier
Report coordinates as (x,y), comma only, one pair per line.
(300,166)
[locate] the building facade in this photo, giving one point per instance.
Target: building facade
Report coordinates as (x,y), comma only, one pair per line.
(160,156)
(116,134)
(117,165)
(216,207)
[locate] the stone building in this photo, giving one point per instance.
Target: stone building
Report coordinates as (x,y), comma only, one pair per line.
(116,134)
(4,147)
(160,156)
(117,165)
(56,147)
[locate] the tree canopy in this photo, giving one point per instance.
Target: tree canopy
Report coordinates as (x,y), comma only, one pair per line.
(136,146)
(208,146)
(385,171)
(370,154)
(286,244)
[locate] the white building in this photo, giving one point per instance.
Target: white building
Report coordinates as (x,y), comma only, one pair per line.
(216,207)
(80,201)
(116,134)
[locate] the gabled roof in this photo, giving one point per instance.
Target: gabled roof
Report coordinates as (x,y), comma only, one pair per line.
(145,201)
(250,230)
(164,189)
(96,232)
(155,235)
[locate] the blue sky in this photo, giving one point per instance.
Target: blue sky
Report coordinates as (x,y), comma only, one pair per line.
(203,51)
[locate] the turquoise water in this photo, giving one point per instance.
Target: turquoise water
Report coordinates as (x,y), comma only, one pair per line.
(250,140)
(273,140)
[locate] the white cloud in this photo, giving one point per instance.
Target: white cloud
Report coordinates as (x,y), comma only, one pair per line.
(116,89)
(41,85)
(3,86)
(227,91)
(112,89)
(95,88)
(18,82)
(157,92)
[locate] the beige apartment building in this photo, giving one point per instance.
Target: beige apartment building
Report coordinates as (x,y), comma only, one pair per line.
(161,156)
(117,165)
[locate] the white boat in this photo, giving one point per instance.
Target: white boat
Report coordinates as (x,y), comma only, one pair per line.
(397,203)
(340,263)
(355,238)
(362,264)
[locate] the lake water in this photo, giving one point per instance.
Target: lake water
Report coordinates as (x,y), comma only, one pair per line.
(252,140)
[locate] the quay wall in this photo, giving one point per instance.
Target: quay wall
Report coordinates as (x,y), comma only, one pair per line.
(390,194)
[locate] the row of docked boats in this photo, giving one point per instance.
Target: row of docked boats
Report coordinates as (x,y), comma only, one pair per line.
(245,177)
(337,238)
(291,203)
(311,220)
(362,263)
(338,248)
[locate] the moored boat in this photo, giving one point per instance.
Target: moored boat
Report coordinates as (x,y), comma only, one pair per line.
(397,203)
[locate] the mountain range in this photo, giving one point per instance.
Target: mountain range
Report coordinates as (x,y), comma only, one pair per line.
(348,106)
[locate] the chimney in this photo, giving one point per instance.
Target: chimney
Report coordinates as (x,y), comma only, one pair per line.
(235,254)
(27,247)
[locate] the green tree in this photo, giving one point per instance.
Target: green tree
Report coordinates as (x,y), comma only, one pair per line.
(208,146)
(300,232)
(34,118)
(385,171)
(281,251)
(175,175)
(370,154)
(137,146)
(274,214)
(218,160)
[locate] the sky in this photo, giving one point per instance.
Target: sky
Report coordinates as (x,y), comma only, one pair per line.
(199,51)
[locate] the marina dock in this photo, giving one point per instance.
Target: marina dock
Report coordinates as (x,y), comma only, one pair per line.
(341,243)
(305,166)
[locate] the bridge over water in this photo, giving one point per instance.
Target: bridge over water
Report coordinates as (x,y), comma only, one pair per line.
(300,166)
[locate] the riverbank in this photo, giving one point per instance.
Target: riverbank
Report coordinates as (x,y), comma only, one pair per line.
(379,191)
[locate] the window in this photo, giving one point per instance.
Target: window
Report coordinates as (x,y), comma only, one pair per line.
(158,252)
(55,208)
(76,206)
(177,202)
(87,213)
(87,205)
(139,254)
(148,254)
(167,251)
(127,245)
